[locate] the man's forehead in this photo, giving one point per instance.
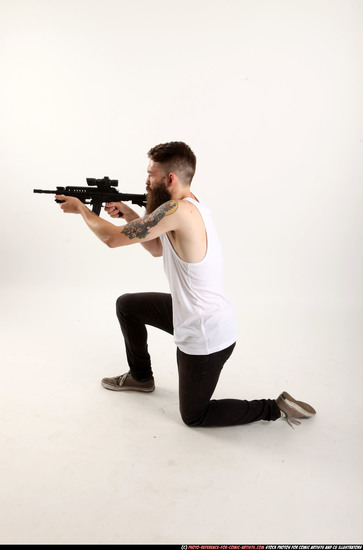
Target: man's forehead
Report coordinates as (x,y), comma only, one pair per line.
(153,166)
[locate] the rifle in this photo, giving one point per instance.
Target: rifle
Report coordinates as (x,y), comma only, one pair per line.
(98,192)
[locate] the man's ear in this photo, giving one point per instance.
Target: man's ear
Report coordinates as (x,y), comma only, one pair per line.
(171,179)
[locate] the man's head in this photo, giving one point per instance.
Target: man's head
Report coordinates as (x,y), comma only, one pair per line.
(172,166)
(175,157)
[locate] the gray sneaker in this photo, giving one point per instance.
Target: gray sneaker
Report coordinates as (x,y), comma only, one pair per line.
(294,409)
(126,382)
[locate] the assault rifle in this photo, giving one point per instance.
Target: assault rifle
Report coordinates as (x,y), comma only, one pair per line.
(98,192)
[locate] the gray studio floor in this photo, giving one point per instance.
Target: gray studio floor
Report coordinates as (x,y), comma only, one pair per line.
(83,465)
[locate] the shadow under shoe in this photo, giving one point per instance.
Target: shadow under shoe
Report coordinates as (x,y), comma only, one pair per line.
(294,409)
(126,382)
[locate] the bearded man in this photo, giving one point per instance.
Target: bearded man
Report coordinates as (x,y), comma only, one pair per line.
(196,312)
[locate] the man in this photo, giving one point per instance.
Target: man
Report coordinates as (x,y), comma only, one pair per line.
(179,227)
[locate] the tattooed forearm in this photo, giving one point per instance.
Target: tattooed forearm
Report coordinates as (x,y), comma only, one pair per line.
(140,228)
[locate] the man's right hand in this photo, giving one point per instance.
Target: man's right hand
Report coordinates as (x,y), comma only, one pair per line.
(114,209)
(120,209)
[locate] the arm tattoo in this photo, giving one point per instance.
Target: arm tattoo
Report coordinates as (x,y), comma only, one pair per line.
(140,228)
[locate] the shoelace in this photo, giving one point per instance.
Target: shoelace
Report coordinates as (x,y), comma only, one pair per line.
(292,421)
(121,379)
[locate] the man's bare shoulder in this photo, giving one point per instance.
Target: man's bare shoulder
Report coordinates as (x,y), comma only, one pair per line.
(191,210)
(188,207)
(168,207)
(181,208)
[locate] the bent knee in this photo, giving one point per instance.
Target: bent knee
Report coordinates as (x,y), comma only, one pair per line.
(124,302)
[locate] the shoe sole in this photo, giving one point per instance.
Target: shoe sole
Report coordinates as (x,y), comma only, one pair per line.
(299,406)
(123,388)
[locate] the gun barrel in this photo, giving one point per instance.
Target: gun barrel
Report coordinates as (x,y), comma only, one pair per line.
(45,191)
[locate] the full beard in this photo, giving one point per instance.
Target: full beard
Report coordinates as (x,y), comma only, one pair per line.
(156,197)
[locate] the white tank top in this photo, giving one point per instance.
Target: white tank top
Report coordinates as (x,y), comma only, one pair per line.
(203,318)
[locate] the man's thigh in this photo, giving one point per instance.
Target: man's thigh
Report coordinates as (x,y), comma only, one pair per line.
(146,308)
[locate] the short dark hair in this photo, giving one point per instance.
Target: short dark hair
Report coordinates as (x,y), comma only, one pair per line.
(176,156)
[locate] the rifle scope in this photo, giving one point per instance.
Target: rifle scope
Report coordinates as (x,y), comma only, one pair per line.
(102,183)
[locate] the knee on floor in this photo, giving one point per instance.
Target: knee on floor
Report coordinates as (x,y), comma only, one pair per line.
(192,420)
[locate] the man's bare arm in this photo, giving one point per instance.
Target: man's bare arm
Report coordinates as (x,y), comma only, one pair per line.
(154,247)
(143,229)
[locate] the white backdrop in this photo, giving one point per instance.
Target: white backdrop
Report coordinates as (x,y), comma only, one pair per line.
(268,95)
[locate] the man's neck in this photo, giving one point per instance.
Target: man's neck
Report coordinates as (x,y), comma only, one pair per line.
(183,194)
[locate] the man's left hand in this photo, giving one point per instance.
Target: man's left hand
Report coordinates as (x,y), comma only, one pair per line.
(70,205)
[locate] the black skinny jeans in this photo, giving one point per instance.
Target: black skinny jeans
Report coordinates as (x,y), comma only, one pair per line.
(198,374)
